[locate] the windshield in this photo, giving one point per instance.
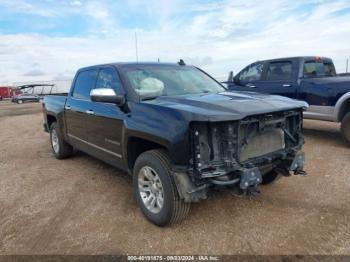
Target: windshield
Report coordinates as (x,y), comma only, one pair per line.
(319,69)
(154,81)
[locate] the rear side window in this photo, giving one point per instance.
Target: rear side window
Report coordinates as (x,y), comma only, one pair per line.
(84,83)
(252,73)
(279,71)
(108,78)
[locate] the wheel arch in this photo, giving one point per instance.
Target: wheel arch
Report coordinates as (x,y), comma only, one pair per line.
(136,146)
(50,119)
(342,107)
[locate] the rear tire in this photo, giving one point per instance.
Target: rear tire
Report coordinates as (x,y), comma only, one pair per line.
(60,148)
(345,128)
(152,179)
(270,177)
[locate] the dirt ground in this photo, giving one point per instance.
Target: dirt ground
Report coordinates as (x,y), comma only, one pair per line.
(83,206)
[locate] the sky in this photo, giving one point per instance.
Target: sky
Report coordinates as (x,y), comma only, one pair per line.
(50,39)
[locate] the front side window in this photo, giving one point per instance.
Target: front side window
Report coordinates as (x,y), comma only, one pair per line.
(153,81)
(252,73)
(84,83)
(108,78)
(279,71)
(318,69)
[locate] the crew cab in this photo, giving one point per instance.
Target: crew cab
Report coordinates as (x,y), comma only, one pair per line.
(177,131)
(311,79)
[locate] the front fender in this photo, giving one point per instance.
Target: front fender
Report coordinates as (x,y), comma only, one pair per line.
(166,127)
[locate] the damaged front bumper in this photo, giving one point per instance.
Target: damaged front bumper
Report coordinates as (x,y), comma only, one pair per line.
(246,179)
(239,154)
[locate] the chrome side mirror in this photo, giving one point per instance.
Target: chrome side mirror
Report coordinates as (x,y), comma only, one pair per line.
(106,95)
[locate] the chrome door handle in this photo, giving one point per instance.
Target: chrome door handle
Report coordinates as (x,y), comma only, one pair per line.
(90,112)
(250,86)
(286,85)
(67,107)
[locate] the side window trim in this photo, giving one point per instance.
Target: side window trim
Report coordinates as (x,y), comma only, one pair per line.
(275,62)
(71,94)
(116,74)
(241,72)
(246,69)
(264,71)
(74,83)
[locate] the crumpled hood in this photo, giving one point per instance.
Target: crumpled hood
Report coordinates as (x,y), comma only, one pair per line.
(227,105)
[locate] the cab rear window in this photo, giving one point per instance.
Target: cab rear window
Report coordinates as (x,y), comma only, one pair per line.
(318,69)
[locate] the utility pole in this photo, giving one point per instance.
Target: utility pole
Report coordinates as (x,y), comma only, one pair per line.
(347,64)
(136,50)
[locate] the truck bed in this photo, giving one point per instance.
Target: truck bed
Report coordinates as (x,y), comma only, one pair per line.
(54,104)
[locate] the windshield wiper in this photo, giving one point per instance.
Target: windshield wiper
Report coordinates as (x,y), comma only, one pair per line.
(148,98)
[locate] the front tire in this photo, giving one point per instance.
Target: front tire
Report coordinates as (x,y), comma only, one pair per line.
(19,101)
(60,148)
(155,189)
(345,128)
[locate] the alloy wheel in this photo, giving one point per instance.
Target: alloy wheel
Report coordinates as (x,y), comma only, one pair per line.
(54,141)
(151,189)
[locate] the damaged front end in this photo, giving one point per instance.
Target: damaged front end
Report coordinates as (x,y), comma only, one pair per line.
(239,154)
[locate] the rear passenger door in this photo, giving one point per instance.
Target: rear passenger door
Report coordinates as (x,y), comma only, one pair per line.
(279,79)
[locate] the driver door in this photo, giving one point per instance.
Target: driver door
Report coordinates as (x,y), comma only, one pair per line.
(106,128)
(248,79)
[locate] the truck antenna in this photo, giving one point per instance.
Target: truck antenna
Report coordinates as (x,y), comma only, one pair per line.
(181,62)
(136,48)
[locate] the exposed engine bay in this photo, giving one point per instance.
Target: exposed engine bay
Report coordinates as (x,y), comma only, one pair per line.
(240,153)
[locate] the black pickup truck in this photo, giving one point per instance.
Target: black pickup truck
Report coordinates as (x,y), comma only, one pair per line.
(311,79)
(177,131)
